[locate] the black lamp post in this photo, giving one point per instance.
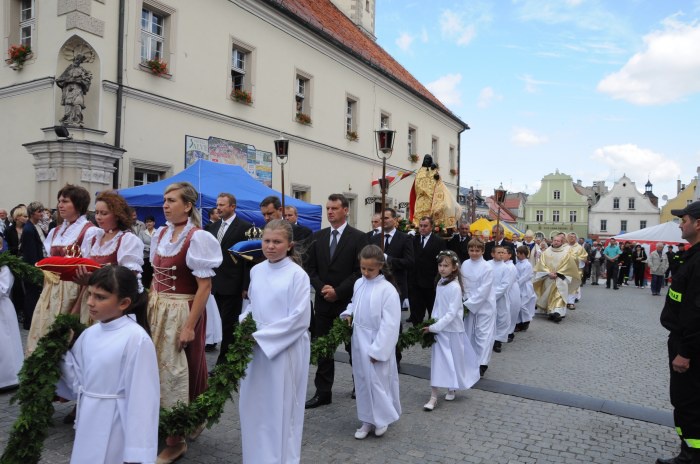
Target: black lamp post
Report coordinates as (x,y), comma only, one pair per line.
(385,146)
(282,156)
(500,196)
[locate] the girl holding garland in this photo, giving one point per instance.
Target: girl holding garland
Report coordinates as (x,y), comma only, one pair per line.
(454,364)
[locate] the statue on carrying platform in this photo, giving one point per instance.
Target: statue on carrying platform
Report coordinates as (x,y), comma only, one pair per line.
(75,83)
(430,197)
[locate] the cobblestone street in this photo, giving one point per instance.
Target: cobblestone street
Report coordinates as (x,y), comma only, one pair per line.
(611,348)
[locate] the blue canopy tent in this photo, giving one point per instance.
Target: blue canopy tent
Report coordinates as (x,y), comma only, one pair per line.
(210,179)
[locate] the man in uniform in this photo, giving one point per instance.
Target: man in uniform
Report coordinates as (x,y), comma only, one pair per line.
(681,316)
(553,274)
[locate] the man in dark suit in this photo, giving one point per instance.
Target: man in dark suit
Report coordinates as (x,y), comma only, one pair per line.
(376,226)
(421,290)
(31,251)
(271,208)
(302,232)
(398,249)
(333,268)
(497,233)
(229,284)
(459,243)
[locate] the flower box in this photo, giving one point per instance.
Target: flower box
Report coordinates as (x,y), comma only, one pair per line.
(18,55)
(157,66)
(241,96)
(413,157)
(453,171)
(303,118)
(351,135)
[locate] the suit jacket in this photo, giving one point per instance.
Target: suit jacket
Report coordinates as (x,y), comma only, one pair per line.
(230,277)
(340,272)
(370,234)
(12,239)
(301,233)
(399,258)
(32,248)
(459,247)
(425,269)
(489,247)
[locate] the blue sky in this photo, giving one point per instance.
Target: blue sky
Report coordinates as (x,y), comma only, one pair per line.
(594,88)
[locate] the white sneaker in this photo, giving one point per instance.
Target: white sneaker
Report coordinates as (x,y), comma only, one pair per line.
(430,405)
(363,431)
(450,395)
(378,432)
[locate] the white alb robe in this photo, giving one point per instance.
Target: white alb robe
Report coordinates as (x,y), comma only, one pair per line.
(214,331)
(376,315)
(112,372)
(454,364)
(514,301)
(502,280)
(527,292)
(11,357)
(273,392)
(480,323)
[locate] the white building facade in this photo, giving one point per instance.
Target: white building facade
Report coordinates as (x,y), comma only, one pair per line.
(622,209)
(309,72)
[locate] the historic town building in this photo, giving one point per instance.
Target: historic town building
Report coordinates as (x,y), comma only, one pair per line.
(686,194)
(556,207)
(149,86)
(623,209)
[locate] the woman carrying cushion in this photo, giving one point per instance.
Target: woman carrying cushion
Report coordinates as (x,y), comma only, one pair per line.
(183,257)
(58,296)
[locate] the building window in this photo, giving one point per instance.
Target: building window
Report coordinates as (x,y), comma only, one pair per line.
(384,121)
(603,225)
(147,172)
(144,176)
(412,149)
(557,195)
(623,226)
(453,161)
(367,5)
(642,225)
(27,22)
(539,215)
(630,203)
(555,215)
(434,149)
(240,65)
(616,203)
(302,93)
(301,192)
(152,35)
(351,117)
(572,216)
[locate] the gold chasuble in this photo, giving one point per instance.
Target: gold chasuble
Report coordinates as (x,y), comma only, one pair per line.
(552,293)
(432,199)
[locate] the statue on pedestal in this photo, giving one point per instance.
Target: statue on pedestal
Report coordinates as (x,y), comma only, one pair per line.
(75,83)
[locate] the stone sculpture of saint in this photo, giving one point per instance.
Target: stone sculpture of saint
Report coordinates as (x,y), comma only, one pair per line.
(75,83)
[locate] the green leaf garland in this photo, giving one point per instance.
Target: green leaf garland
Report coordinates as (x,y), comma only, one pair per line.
(415,335)
(326,346)
(22,270)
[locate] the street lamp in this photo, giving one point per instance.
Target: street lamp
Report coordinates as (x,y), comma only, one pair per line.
(499,196)
(385,146)
(282,156)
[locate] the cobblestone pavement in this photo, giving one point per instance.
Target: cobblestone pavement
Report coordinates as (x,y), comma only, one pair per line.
(611,347)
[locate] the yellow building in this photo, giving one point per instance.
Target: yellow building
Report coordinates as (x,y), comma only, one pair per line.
(684,197)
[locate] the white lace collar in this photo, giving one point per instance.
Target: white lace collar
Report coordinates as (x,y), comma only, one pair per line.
(167,249)
(108,247)
(68,234)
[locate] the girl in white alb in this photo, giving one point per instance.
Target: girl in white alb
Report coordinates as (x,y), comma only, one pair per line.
(10,342)
(454,364)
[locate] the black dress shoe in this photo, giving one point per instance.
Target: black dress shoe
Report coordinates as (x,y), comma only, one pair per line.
(556,317)
(353,396)
(318,400)
(210,347)
(497,347)
(511,337)
(482,369)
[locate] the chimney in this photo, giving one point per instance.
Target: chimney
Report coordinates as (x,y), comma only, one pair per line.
(678,186)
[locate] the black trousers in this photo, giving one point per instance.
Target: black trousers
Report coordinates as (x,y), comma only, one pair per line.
(611,270)
(684,396)
(325,372)
(422,300)
(31,296)
(229,309)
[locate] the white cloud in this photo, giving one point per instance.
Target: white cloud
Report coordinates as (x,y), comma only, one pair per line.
(487,96)
(665,71)
(445,89)
(637,163)
(424,35)
(532,84)
(527,138)
(452,26)
(404,41)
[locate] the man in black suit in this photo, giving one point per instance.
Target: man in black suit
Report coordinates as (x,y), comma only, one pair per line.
(292,216)
(459,243)
(229,284)
(398,249)
(421,290)
(497,232)
(333,268)
(376,226)
(271,208)
(31,251)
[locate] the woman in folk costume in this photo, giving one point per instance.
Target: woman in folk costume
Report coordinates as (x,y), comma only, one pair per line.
(273,391)
(58,296)
(113,374)
(111,242)
(454,364)
(10,341)
(479,298)
(376,315)
(184,258)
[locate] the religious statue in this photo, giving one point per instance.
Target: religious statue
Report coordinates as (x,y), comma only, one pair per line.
(75,83)
(430,197)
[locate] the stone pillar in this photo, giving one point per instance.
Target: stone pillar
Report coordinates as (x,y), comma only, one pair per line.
(81,159)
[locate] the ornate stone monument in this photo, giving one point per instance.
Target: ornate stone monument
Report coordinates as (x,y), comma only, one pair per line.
(74,84)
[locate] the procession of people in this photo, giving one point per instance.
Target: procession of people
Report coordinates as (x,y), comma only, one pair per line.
(477,295)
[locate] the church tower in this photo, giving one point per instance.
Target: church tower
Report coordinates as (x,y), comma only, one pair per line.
(649,194)
(361,12)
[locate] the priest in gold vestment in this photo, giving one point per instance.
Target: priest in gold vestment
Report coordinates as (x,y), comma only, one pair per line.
(554,272)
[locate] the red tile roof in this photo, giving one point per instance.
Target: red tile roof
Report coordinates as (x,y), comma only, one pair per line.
(326,20)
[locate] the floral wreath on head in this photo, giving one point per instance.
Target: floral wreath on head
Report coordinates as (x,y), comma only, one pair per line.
(449,253)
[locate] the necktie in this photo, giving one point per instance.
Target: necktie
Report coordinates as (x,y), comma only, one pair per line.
(222,231)
(422,242)
(334,242)
(386,241)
